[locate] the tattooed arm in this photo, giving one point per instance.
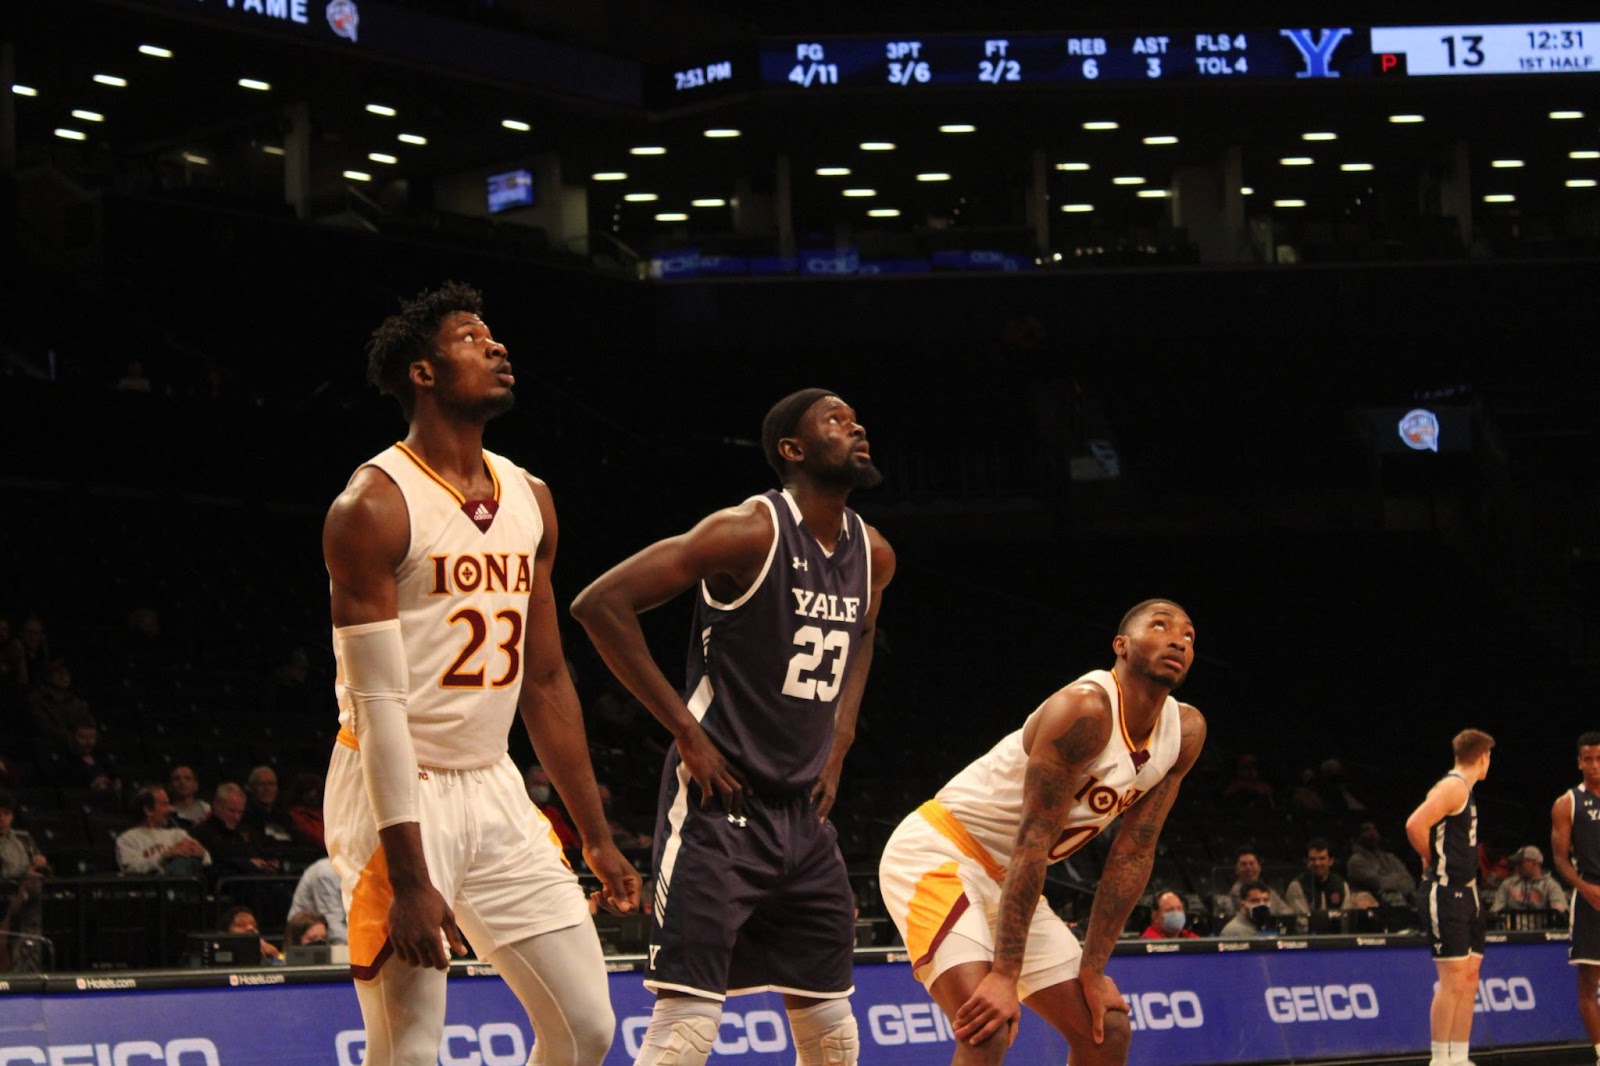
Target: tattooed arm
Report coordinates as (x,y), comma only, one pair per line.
(1072,727)
(1128,865)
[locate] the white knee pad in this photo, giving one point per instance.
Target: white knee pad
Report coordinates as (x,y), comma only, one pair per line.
(825,1034)
(682,1030)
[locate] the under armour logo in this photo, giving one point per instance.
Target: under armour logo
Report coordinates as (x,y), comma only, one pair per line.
(802,564)
(739,820)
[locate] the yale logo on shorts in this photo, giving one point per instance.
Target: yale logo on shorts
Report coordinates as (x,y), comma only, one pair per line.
(480,571)
(1165,1010)
(1321,1003)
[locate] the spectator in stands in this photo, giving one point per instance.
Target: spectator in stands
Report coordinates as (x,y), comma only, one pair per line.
(1377,871)
(1494,866)
(1255,917)
(305,927)
(302,809)
(1247,789)
(319,891)
(242,920)
(147,660)
(1246,871)
(53,705)
(29,652)
(543,796)
(289,694)
(1334,788)
(20,862)
(262,810)
(10,662)
(1529,888)
(1168,919)
(1321,888)
(1304,796)
(235,846)
(154,846)
(183,787)
(82,766)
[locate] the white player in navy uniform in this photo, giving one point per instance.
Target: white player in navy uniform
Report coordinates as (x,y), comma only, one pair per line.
(1444,831)
(439,557)
(1575,850)
(962,875)
(751,891)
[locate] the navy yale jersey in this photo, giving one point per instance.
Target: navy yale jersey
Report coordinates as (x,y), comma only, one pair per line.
(1454,843)
(766,670)
(1585,832)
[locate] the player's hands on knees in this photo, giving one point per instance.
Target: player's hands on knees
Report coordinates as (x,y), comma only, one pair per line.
(1100,994)
(416,918)
(712,772)
(619,881)
(993,1007)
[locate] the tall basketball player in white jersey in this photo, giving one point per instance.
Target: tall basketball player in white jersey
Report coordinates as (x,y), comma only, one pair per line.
(439,557)
(962,875)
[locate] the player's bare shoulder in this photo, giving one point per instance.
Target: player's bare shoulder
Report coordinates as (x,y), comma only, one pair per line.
(1192,734)
(369,515)
(1075,720)
(882,555)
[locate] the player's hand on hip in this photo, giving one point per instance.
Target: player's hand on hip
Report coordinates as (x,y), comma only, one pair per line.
(993,1007)
(825,791)
(712,772)
(416,918)
(1100,993)
(619,881)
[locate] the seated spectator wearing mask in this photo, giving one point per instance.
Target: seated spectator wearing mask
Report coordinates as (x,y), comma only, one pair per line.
(1168,920)
(303,928)
(1255,916)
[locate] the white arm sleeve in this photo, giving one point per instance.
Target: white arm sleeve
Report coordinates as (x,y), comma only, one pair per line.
(375,675)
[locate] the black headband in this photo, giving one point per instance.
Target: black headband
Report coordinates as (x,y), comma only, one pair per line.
(782,419)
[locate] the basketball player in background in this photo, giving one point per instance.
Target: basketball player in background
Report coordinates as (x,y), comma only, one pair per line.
(439,557)
(1575,850)
(751,891)
(962,875)
(1444,832)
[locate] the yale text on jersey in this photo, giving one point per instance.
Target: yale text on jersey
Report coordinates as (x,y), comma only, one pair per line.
(826,605)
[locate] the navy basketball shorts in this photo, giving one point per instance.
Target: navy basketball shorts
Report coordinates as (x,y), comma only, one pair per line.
(756,903)
(1585,947)
(1454,919)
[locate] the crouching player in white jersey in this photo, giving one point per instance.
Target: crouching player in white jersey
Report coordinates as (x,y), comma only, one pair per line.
(439,557)
(962,875)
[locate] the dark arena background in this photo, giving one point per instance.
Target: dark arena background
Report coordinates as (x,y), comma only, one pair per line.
(1287,312)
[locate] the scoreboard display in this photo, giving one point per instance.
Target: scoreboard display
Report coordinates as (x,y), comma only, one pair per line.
(908,63)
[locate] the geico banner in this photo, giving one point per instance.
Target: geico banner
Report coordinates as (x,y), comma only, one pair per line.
(1245,1006)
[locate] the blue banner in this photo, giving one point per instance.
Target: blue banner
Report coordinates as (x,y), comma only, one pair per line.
(1249,1005)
